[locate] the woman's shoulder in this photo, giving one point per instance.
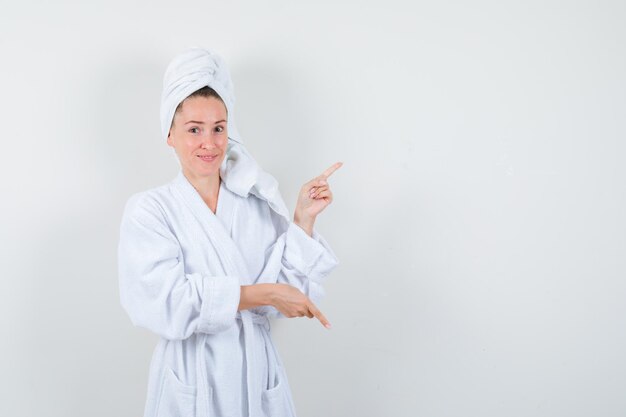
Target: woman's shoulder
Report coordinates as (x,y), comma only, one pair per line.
(255,203)
(152,200)
(260,209)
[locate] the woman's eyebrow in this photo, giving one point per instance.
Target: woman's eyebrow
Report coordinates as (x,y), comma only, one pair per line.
(201,123)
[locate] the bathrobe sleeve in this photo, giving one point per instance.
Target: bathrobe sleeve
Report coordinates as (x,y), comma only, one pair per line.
(300,260)
(307,256)
(155,291)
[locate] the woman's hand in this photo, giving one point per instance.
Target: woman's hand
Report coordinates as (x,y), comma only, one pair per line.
(314,196)
(291,302)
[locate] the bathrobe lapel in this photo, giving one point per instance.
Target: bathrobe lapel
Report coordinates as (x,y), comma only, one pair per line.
(234,265)
(230,256)
(226,206)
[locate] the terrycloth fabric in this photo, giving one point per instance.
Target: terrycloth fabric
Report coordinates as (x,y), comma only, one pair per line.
(198,67)
(180,271)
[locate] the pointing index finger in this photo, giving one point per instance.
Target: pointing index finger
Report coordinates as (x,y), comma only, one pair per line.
(331,169)
(318,314)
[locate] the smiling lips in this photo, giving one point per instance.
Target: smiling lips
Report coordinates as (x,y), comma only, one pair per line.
(208,158)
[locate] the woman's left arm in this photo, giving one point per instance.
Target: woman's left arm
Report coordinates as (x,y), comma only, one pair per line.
(300,256)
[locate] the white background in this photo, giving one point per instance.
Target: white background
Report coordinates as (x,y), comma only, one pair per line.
(479,216)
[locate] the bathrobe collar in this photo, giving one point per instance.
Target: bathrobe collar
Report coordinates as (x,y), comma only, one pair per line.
(229,254)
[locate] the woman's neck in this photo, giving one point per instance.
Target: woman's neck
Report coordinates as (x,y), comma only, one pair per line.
(207,187)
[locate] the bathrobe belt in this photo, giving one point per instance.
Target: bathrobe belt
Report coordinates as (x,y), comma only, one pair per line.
(248,319)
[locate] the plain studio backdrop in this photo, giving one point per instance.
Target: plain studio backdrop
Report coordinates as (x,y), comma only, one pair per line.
(479,217)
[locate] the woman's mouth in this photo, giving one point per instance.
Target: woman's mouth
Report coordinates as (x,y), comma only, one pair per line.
(208,158)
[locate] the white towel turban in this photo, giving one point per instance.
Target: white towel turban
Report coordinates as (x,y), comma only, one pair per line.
(198,67)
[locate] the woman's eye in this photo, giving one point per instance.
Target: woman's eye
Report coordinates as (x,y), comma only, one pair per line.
(219,129)
(193,130)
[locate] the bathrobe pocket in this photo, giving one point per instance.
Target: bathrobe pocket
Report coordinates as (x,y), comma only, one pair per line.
(274,402)
(177,398)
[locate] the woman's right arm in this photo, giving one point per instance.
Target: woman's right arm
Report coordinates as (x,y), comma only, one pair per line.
(155,291)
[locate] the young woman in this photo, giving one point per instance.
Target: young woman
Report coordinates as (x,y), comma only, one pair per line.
(206,259)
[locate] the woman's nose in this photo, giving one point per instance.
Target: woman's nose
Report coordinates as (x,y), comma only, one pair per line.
(208,142)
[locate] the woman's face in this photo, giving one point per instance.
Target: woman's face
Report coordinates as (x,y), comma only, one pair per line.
(199,136)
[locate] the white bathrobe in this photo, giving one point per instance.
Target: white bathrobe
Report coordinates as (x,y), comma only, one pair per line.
(180,270)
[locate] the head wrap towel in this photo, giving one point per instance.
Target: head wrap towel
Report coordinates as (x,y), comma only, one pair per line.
(198,67)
